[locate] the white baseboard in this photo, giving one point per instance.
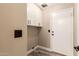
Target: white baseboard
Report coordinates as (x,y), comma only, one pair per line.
(45,48)
(44,52)
(49,50)
(42,47)
(31,50)
(38,46)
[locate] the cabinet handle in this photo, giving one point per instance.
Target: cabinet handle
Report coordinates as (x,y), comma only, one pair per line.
(29,21)
(52,34)
(38,23)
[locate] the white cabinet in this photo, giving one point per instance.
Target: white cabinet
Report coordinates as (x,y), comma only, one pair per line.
(34,15)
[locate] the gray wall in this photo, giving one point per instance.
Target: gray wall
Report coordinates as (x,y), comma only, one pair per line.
(32,35)
(44,36)
(12,16)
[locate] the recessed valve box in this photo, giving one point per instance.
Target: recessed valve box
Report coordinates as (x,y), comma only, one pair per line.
(17,33)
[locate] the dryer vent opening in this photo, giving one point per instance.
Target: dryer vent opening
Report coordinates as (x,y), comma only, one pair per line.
(44,5)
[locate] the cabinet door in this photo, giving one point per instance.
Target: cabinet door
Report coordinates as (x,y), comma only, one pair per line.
(31,14)
(34,15)
(39,17)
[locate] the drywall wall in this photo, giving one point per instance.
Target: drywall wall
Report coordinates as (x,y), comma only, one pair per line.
(77,26)
(32,35)
(13,16)
(44,35)
(77,9)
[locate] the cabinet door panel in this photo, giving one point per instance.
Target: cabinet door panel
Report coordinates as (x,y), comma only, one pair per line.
(34,15)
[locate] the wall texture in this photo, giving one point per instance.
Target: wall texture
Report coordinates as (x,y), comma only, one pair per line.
(76,33)
(32,35)
(44,35)
(12,16)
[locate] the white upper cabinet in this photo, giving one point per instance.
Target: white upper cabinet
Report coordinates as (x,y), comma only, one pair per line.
(34,15)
